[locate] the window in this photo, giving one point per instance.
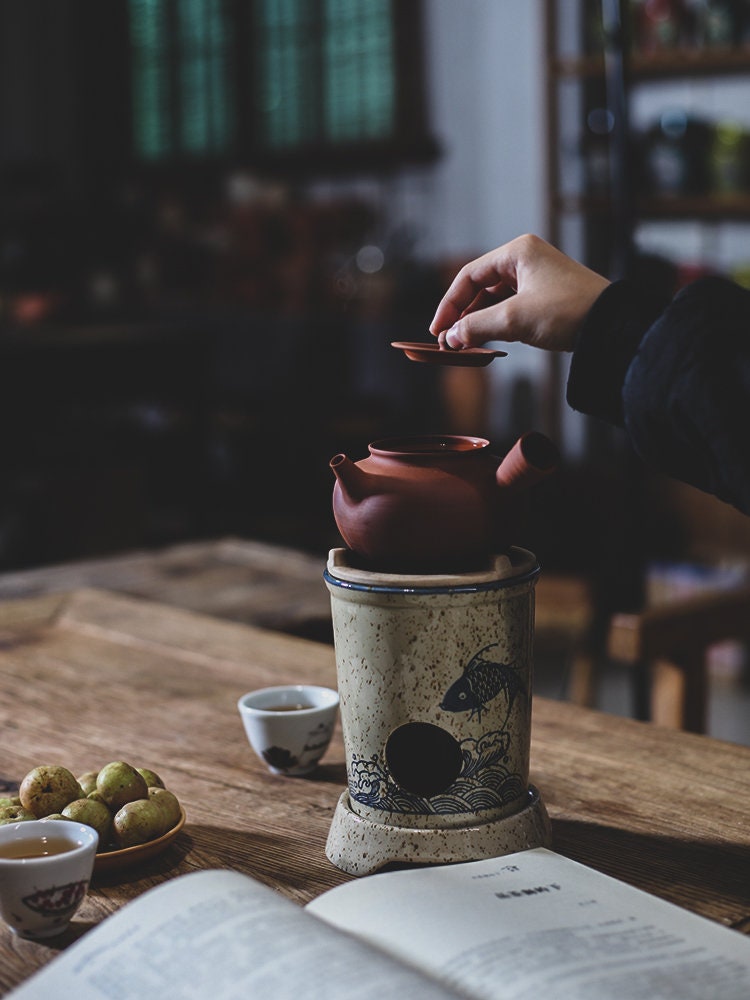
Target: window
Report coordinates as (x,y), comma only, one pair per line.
(325,71)
(180,78)
(275,82)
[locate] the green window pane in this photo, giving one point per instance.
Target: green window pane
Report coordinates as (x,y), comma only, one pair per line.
(202,56)
(222,117)
(325,71)
(181,95)
(193,76)
(148,37)
(359,77)
(286,71)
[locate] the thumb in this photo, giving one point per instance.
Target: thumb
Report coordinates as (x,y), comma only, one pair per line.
(476,328)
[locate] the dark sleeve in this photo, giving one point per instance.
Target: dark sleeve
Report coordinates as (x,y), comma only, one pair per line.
(678,382)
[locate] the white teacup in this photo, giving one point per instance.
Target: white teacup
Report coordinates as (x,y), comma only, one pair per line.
(289,727)
(45,869)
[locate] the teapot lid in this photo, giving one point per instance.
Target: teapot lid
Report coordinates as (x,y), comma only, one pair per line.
(428,444)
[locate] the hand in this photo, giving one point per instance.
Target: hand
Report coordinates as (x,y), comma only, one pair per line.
(524,291)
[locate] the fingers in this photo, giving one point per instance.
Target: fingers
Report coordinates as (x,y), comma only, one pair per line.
(488,297)
(475,286)
(481,284)
(526,290)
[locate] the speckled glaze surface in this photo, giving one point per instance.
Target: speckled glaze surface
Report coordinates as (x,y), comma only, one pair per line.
(434,676)
(360,847)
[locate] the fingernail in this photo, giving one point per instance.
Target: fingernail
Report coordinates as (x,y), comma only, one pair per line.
(452,339)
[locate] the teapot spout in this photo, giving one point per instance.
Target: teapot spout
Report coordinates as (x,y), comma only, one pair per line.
(532,458)
(353,482)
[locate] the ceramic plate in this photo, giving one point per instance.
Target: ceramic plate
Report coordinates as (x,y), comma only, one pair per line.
(433,354)
(111,860)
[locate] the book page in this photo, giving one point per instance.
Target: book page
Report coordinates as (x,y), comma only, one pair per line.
(220,935)
(536,924)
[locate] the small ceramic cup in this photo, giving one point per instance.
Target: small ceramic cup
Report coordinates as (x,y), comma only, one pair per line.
(45,869)
(289,727)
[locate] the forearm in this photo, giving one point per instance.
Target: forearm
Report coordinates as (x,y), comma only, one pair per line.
(605,346)
(679,382)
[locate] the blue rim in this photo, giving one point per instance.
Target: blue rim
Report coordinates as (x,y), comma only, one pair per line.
(473,588)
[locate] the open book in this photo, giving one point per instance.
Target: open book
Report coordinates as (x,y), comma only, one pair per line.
(532,924)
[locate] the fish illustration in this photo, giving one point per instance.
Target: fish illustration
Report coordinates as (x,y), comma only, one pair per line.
(481,681)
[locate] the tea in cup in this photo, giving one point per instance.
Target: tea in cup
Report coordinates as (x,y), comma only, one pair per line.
(289,727)
(45,869)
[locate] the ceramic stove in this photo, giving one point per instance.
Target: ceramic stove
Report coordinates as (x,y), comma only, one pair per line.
(435,679)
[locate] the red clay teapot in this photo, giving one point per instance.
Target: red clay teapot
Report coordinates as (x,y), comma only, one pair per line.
(435,503)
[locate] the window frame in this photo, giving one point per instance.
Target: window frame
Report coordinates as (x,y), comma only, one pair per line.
(411,141)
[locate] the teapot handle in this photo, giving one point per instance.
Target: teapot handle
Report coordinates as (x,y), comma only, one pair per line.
(532,458)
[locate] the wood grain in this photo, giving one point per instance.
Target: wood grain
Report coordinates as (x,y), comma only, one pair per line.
(88,677)
(243,580)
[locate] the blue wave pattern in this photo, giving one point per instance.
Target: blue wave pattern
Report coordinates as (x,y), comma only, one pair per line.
(485,782)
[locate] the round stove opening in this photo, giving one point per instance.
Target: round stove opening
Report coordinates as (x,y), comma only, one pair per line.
(423,759)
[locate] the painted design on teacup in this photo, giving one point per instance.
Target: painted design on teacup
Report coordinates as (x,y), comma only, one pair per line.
(280,758)
(316,743)
(318,739)
(481,682)
(485,782)
(57,901)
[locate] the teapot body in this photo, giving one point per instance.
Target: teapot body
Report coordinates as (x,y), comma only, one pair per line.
(428,503)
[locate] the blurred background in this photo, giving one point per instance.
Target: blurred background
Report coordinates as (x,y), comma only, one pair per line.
(217,214)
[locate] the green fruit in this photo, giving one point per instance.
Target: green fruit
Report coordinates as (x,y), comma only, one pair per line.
(56,816)
(167,802)
(12,800)
(47,789)
(151,778)
(119,783)
(14,814)
(87,782)
(96,797)
(138,822)
(91,813)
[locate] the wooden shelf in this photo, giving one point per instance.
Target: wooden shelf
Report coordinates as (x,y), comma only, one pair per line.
(679,62)
(707,208)
(605,236)
(716,207)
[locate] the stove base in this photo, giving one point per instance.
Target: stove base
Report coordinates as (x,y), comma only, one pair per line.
(360,846)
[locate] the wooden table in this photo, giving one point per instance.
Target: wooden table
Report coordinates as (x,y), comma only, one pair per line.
(87,677)
(281,588)
(240,579)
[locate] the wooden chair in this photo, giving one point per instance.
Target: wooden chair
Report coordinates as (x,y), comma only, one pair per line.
(667,644)
(667,648)
(564,615)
